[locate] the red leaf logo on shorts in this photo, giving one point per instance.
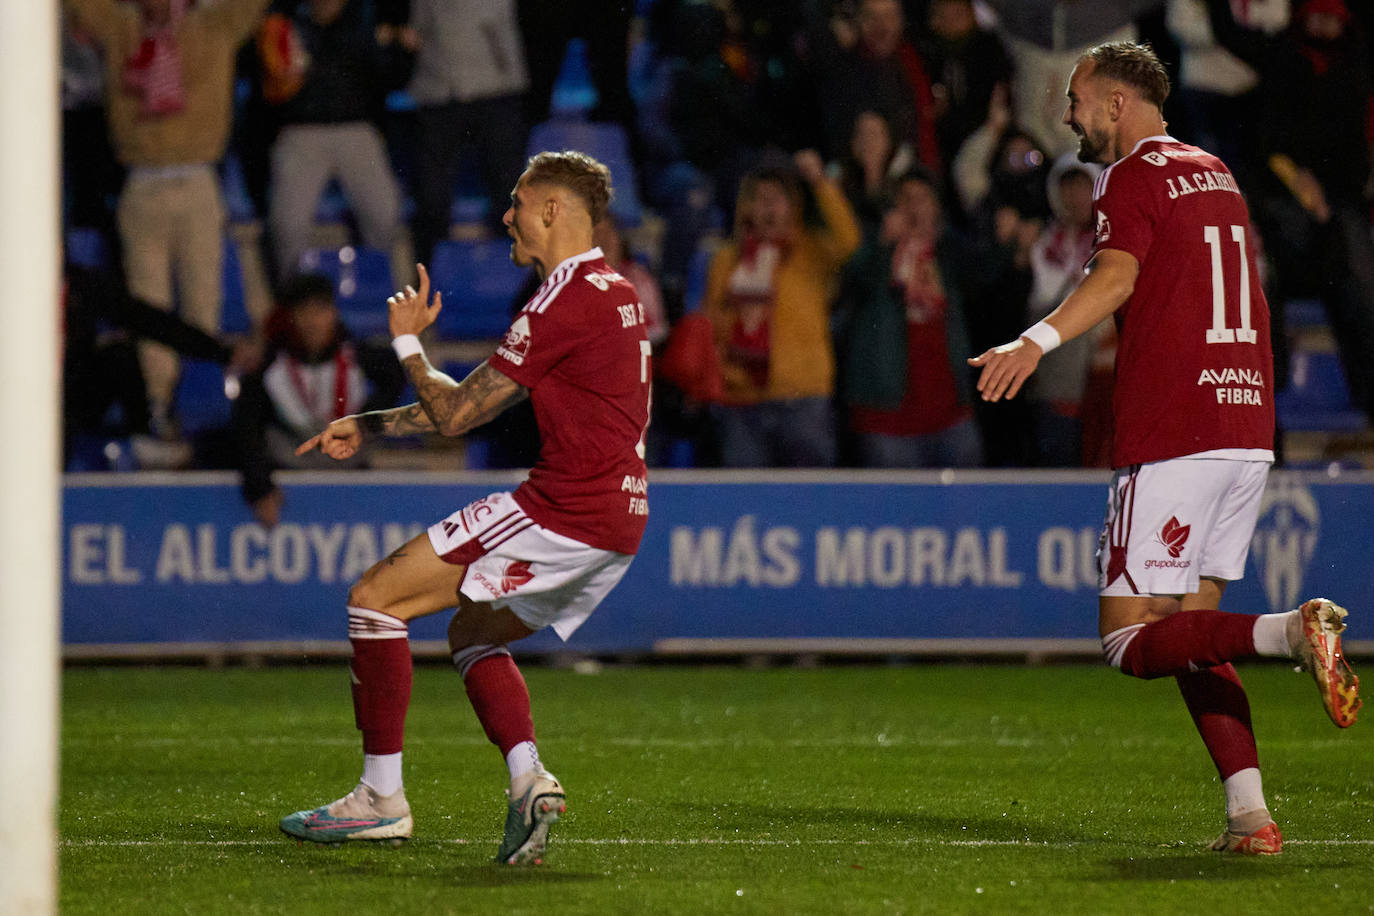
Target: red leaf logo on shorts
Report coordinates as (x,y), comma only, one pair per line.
(518,573)
(1174,536)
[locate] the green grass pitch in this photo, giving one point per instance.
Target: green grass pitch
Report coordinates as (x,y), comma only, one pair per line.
(864,789)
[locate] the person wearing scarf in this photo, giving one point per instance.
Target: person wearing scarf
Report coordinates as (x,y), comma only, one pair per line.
(314,373)
(768,295)
(169,71)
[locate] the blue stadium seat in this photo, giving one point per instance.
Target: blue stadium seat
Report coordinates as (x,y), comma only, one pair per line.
(362,283)
(238,203)
(1304,313)
(233,316)
(1317,396)
(87,247)
(697,270)
(573,92)
(202,405)
(603,141)
(479,284)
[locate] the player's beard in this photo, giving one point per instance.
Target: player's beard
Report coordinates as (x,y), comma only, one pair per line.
(1093,147)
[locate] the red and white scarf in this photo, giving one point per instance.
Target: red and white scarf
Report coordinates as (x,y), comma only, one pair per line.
(153,72)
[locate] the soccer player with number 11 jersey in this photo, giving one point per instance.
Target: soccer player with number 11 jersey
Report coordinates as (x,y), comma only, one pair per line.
(1173,262)
(544,555)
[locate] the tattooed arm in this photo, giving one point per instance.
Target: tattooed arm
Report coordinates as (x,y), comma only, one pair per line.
(447,407)
(453,409)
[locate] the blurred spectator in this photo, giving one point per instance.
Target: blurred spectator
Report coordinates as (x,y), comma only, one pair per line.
(865,63)
(1057,262)
(1312,207)
(966,64)
(1000,174)
(1000,165)
(906,377)
(469,85)
(604,25)
(705,125)
(91,176)
(168,74)
(606,235)
(103,390)
(1217,107)
(1045,39)
(313,374)
(867,173)
(327,68)
(768,298)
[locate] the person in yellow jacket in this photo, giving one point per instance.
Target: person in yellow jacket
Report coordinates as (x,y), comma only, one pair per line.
(768,297)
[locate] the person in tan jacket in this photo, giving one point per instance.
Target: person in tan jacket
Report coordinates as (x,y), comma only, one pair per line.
(768,297)
(169,72)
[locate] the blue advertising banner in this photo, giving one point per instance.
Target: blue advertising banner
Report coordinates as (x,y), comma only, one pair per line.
(918,555)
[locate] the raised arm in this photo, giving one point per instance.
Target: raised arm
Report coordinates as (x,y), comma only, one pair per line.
(444,406)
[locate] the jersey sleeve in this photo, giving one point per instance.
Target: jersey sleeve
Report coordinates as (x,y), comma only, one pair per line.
(535,343)
(1123,211)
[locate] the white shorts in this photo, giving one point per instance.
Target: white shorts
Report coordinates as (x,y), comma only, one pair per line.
(1170,523)
(544,578)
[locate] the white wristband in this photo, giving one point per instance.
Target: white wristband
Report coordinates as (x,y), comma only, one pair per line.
(1043,334)
(407,345)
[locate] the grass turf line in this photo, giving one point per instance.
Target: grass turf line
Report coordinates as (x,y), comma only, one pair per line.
(942,789)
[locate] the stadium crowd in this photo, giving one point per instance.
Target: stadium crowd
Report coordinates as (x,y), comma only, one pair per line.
(825,206)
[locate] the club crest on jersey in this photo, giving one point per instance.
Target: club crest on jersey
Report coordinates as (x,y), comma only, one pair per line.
(602,279)
(1103,230)
(516,346)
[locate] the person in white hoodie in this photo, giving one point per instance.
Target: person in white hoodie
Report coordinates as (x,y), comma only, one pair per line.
(1057,260)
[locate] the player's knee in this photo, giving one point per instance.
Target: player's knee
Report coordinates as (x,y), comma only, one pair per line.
(360,595)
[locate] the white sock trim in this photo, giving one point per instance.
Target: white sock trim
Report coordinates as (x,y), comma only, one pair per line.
(464,659)
(1271,634)
(365,623)
(1244,792)
(523,759)
(383,772)
(1114,643)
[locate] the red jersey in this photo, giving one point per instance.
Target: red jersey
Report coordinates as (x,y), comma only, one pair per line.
(1194,367)
(580,347)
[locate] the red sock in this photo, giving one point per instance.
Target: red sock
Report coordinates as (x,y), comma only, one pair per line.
(381,677)
(501,700)
(1187,641)
(1221,712)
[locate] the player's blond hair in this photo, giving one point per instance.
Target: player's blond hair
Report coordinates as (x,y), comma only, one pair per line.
(1134,64)
(589,179)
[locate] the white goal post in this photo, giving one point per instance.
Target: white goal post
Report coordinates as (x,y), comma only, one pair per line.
(30,410)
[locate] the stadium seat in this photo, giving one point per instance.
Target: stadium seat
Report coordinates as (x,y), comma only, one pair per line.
(1304,313)
(87,247)
(362,283)
(479,284)
(573,92)
(1317,396)
(202,405)
(233,316)
(697,269)
(603,141)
